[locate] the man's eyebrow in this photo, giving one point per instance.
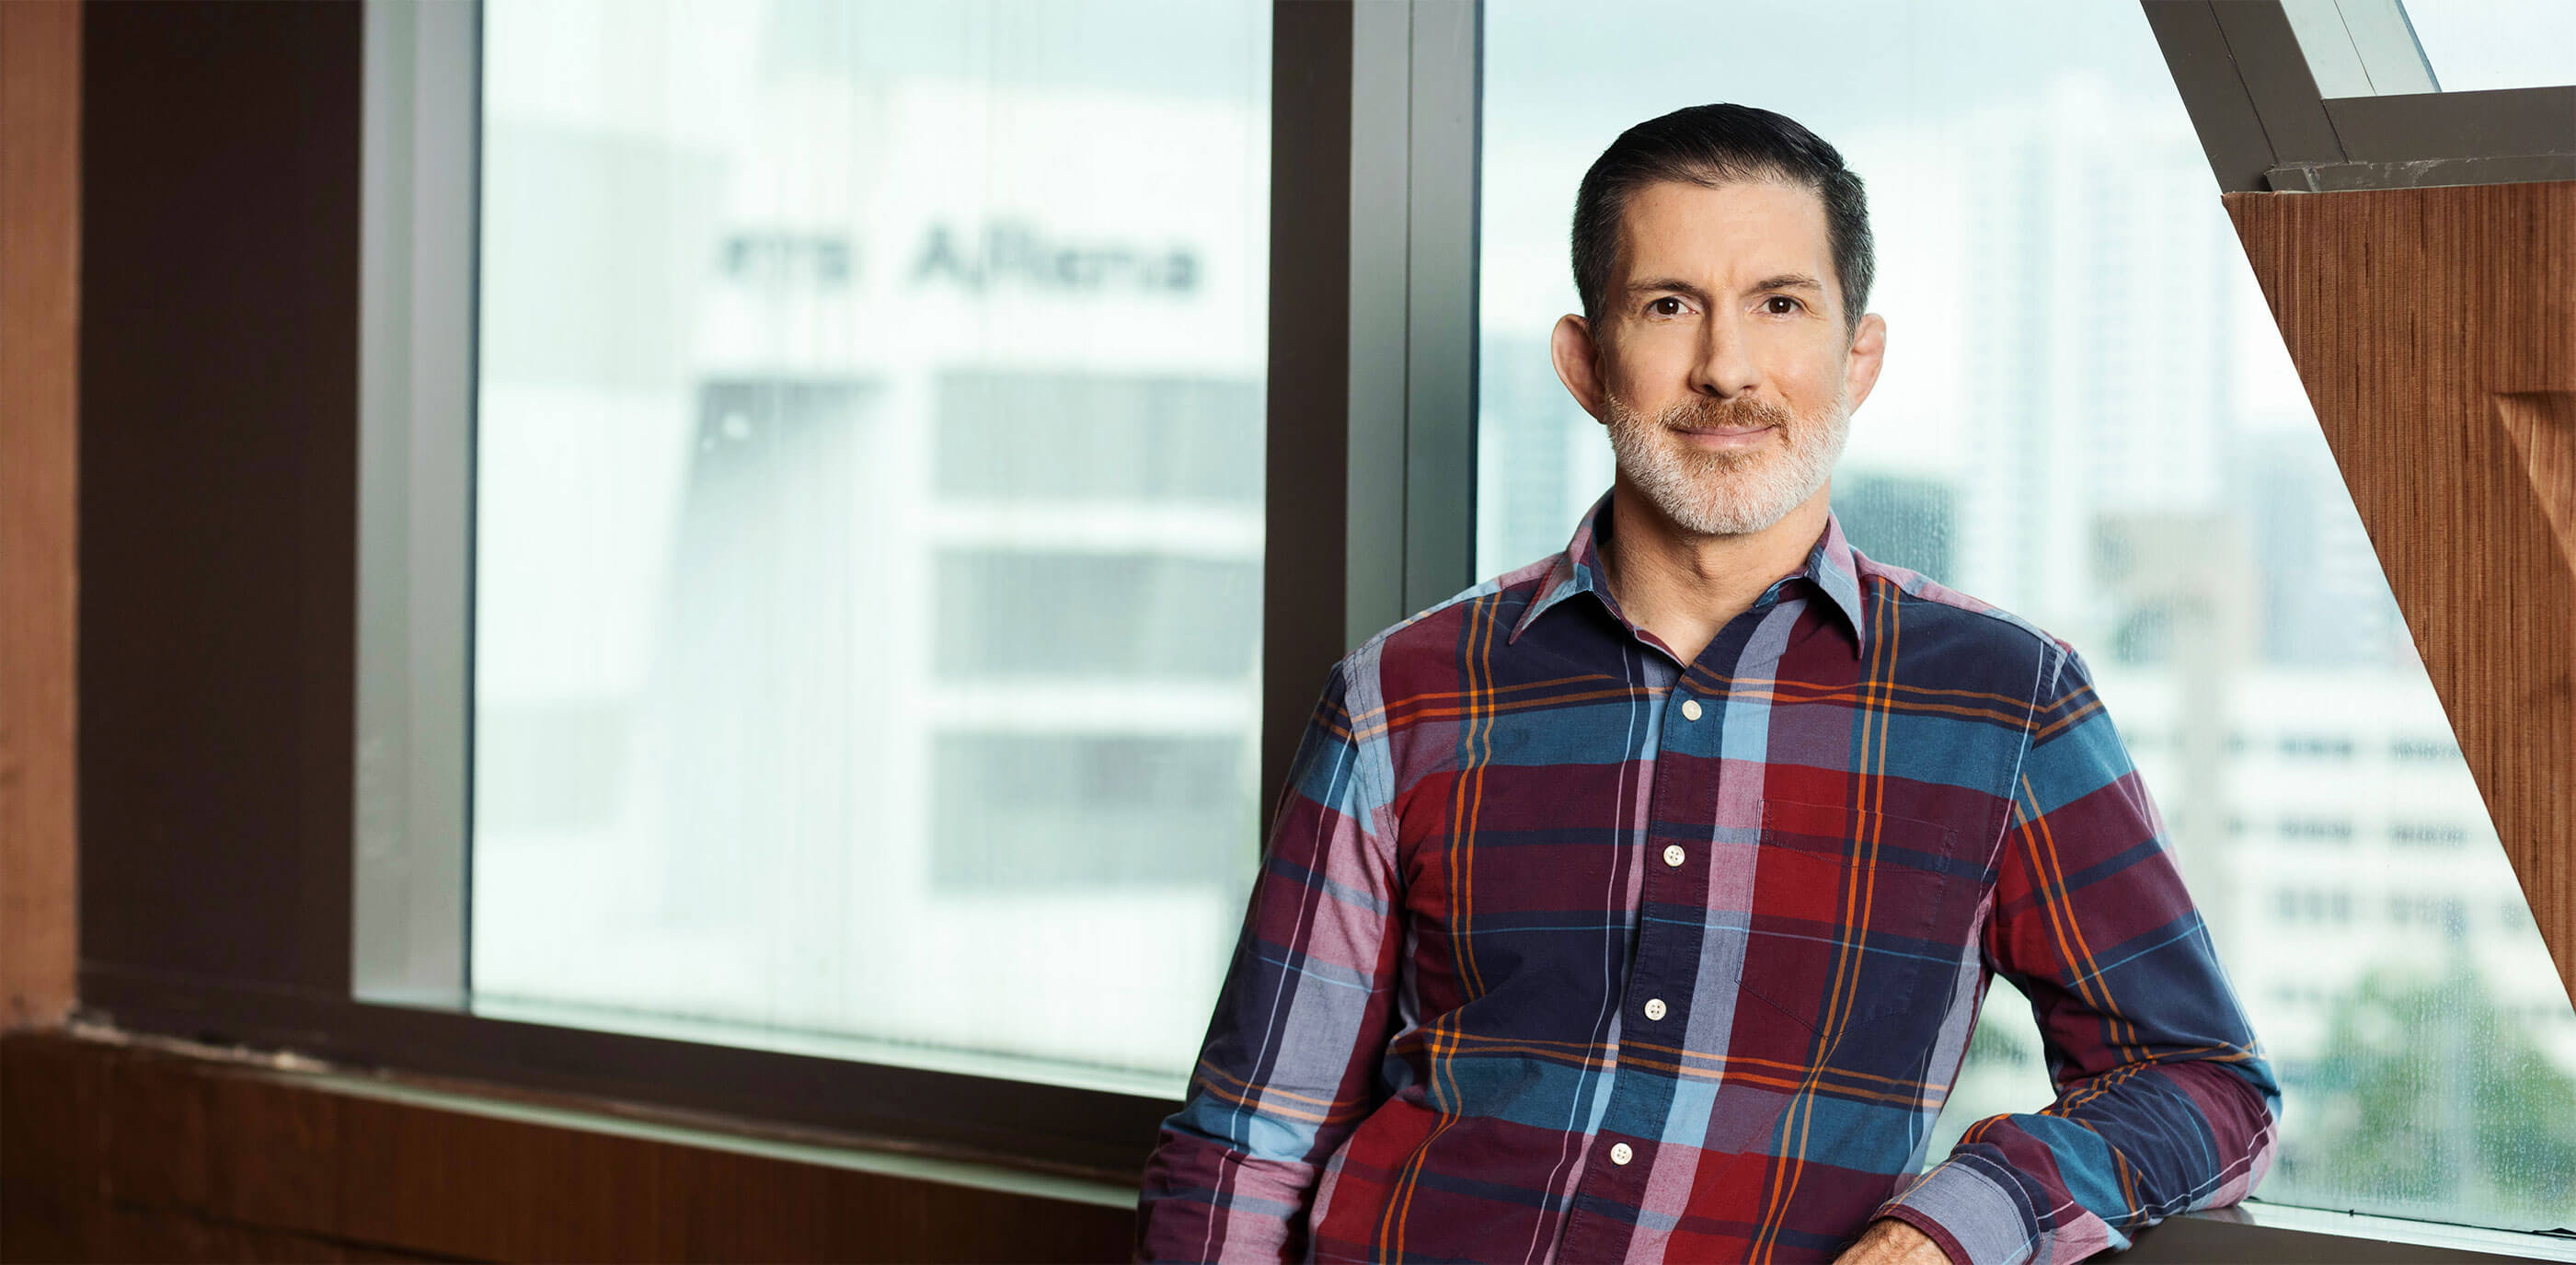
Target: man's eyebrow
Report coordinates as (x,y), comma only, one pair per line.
(1790,281)
(1675,285)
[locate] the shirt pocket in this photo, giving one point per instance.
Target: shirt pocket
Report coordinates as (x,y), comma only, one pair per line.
(1855,916)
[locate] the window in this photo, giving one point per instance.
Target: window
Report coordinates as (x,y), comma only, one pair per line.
(2424,750)
(2391,47)
(761,375)
(2311,746)
(2313,905)
(2087,417)
(2427,834)
(2485,45)
(869,537)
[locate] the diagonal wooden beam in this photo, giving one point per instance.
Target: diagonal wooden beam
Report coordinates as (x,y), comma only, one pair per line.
(2435,330)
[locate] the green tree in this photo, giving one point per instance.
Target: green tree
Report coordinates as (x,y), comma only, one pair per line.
(2429,1102)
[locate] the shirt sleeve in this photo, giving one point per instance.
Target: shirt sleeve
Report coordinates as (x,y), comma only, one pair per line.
(2164,1103)
(1289,1063)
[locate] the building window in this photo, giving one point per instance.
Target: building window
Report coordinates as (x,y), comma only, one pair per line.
(2427,834)
(2313,746)
(2420,750)
(869,537)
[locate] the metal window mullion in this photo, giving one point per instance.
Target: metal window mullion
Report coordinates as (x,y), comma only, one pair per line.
(1377,327)
(2253,95)
(409,877)
(2384,39)
(1410,479)
(2264,48)
(2357,48)
(1440,306)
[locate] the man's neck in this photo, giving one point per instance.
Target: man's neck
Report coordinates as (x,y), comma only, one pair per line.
(1682,586)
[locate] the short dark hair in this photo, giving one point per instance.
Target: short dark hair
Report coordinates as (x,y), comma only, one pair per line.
(1714,145)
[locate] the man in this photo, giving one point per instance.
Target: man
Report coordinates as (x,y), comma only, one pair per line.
(1637,904)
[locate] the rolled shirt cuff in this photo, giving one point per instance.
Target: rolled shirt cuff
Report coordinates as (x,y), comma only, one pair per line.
(1977,1217)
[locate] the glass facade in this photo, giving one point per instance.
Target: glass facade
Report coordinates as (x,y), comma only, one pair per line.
(2087,417)
(869,522)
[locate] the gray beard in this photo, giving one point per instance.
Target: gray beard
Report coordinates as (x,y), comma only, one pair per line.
(1725,493)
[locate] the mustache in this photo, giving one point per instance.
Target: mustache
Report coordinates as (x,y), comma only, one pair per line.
(1702,411)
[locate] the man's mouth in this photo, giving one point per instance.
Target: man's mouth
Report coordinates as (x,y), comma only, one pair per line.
(1723,438)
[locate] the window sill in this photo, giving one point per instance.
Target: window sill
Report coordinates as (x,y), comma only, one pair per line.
(2255,1231)
(2259,1231)
(129,1147)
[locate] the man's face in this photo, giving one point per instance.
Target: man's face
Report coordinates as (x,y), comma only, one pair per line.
(1719,359)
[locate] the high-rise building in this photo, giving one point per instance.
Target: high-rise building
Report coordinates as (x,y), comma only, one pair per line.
(873,509)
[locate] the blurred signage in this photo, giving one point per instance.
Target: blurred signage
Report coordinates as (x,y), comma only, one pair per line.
(1008,252)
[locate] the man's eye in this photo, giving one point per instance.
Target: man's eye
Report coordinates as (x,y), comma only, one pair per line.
(1657,307)
(1794,305)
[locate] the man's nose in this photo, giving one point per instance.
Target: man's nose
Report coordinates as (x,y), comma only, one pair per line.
(1724,364)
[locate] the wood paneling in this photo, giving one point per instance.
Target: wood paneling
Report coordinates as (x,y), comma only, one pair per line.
(116,1152)
(2543,427)
(2435,330)
(40,63)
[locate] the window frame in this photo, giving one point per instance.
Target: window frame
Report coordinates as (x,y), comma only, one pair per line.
(413,767)
(231,761)
(2268,129)
(1373,177)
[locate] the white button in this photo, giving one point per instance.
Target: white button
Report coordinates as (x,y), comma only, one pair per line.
(1672,854)
(1654,1007)
(1620,1154)
(1690,709)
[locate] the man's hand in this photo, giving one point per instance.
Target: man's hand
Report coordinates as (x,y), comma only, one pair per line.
(1893,1242)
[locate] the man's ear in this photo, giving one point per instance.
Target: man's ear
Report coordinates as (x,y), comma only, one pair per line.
(1578,362)
(1867,355)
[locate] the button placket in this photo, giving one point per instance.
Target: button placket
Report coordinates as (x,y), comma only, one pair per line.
(1665,956)
(1655,1008)
(1649,972)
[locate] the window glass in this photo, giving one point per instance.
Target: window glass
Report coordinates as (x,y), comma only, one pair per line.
(2087,417)
(2363,48)
(869,523)
(2474,45)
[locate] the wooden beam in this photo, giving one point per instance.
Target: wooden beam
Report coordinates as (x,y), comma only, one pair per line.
(40,73)
(2435,330)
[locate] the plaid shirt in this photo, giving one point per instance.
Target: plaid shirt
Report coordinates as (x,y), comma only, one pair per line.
(1562,951)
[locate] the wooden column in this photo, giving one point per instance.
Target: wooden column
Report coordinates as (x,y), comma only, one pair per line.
(40,64)
(2435,330)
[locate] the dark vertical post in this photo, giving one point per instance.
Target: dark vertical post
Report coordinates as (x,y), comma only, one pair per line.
(1305,512)
(218,490)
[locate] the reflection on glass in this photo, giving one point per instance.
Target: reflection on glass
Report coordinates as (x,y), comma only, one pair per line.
(2087,417)
(869,532)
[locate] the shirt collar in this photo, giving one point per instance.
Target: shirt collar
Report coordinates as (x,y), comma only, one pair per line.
(1833,566)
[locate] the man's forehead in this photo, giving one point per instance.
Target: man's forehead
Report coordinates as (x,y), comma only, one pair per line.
(1762,226)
